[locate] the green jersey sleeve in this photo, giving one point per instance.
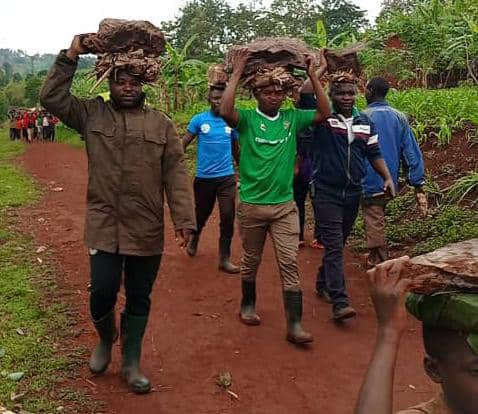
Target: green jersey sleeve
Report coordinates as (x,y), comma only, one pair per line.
(244,117)
(304,118)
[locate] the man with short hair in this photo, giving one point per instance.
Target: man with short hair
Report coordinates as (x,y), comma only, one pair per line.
(217,142)
(450,338)
(344,143)
(268,151)
(134,158)
(399,148)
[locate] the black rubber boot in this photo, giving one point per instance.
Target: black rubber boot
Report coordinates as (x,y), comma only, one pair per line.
(132,332)
(192,247)
(101,356)
(248,304)
(224,256)
(293,313)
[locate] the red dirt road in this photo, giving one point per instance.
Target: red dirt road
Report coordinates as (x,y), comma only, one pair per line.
(194,333)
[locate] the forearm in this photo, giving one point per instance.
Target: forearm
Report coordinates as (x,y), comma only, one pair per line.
(187,140)
(177,183)
(381,168)
(376,393)
(322,102)
(227,109)
(55,95)
(236,152)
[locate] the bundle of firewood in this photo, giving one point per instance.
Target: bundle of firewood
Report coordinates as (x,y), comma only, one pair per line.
(133,45)
(453,268)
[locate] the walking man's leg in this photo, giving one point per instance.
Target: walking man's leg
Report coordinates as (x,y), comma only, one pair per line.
(205,197)
(284,230)
(106,269)
(331,230)
(374,218)
(253,227)
(226,197)
(301,188)
(140,274)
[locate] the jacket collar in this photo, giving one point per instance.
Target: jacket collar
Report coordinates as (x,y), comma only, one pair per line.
(355,111)
(378,103)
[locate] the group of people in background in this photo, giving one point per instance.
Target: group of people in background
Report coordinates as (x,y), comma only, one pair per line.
(32,125)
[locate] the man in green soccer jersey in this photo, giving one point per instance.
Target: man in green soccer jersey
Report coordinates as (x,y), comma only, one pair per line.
(268,149)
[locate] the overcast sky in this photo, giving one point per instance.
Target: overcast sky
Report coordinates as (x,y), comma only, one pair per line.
(49,25)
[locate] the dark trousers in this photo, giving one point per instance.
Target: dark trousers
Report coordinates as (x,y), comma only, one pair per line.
(337,217)
(106,274)
(302,188)
(206,190)
(13,134)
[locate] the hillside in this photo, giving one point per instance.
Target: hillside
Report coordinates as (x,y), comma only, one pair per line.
(17,61)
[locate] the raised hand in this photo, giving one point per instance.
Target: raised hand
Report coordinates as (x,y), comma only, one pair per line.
(239,59)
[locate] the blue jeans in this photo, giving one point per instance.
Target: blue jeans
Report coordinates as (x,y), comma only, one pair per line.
(337,217)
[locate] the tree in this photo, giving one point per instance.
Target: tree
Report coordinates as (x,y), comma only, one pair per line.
(342,16)
(209,21)
(32,90)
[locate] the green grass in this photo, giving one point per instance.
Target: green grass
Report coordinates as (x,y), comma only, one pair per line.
(69,136)
(29,317)
(445,224)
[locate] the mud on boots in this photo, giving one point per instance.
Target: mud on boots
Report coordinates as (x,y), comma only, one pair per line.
(224,257)
(248,313)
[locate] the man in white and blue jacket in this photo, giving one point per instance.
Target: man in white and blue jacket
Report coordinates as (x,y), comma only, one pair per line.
(399,149)
(344,144)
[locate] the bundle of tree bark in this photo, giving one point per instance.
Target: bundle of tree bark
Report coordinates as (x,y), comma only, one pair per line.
(134,45)
(453,268)
(344,60)
(217,76)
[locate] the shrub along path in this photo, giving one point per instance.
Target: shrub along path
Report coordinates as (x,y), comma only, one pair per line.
(194,333)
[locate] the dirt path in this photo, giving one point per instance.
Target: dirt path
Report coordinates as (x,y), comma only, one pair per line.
(194,333)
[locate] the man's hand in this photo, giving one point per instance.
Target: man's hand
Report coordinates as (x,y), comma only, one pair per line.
(422,202)
(239,59)
(311,62)
(389,187)
(388,291)
(76,47)
(183,236)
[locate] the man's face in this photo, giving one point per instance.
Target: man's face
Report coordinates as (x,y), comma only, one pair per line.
(126,90)
(270,99)
(343,97)
(458,375)
(214,99)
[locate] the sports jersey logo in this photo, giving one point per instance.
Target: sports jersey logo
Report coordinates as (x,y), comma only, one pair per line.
(205,128)
(228,130)
(263,127)
(286,124)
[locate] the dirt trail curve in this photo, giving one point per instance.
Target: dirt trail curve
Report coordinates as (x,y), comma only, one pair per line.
(194,333)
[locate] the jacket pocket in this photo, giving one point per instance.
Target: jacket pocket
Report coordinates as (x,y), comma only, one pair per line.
(153,147)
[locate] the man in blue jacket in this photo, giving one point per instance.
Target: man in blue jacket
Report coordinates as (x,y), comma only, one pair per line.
(343,145)
(397,143)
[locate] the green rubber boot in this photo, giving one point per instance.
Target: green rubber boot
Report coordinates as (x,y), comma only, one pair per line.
(248,313)
(101,356)
(293,312)
(132,332)
(225,263)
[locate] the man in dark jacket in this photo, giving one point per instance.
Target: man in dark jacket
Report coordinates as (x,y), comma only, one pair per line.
(343,145)
(134,156)
(397,144)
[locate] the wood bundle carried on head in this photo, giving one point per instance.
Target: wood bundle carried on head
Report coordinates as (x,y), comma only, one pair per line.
(273,60)
(132,45)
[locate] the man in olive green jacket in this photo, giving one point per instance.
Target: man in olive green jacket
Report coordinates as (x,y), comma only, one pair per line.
(134,156)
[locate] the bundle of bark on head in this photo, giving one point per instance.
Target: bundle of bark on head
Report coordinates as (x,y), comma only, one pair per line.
(344,60)
(453,268)
(131,45)
(217,76)
(273,61)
